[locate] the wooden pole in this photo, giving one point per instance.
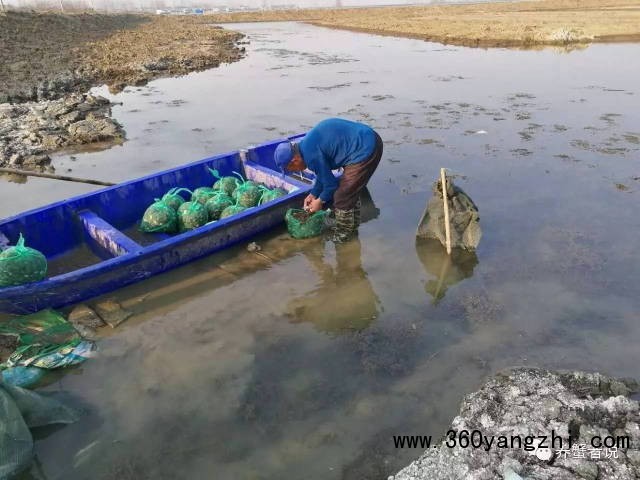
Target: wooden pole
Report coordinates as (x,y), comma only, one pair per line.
(447,230)
(55,177)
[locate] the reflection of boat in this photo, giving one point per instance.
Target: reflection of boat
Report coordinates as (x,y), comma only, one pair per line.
(93,245)
(447,269)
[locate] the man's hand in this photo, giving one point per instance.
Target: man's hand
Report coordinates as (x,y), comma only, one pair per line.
(307,201)
(315,206)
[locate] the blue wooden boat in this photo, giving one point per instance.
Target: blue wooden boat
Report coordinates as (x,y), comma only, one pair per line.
(93,245)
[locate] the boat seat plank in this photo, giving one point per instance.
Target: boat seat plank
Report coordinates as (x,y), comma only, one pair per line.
(106,235)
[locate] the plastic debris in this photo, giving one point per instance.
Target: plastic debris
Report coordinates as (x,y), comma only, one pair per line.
(45,340)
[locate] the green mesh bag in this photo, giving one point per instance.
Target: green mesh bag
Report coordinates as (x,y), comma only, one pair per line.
(217,204)
(191,215)
(173,198)
(232,210)
(20,265)
(203,194)
(225,184)
(301,224)
(159,218)
(271,195)
(248,195)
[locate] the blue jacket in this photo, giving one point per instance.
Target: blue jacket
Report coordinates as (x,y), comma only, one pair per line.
(331,144)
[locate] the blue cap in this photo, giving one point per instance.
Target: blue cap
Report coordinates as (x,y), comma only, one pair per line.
(283,156)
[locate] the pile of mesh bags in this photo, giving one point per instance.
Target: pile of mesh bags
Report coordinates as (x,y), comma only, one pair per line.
(181,210)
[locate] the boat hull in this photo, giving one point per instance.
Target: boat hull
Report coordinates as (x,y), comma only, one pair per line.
(105,223)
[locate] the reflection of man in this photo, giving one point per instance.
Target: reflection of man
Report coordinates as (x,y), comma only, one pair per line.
(345,300)
(335,143)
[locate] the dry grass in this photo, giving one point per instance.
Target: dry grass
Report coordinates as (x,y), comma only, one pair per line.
(518,24)
(176,45)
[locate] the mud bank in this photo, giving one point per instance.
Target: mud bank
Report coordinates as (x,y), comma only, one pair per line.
(526,401)
(503,24)
(29,131)
(52,56)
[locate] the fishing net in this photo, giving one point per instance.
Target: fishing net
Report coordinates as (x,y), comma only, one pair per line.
(203,194)
(20,265)
(21,410)
(464,219)
(301,224)
(159,217)
(217,204)
(191,215)
(271,195)
(173,198)
(232,210)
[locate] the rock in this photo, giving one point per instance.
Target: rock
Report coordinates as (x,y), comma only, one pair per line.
(158,65)
(529,401)
(85,316)
(253,247)
(112,313)
(86,332)
(29,132)
(93,130)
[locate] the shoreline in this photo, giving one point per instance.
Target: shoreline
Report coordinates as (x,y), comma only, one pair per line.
(486,42)
(52,60)
(527,24)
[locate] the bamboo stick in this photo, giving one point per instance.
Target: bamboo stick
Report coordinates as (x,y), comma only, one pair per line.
(55,177)
(447,230)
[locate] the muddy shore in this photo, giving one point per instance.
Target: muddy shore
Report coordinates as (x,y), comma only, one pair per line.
(49,55)
(517,24)
(52,60)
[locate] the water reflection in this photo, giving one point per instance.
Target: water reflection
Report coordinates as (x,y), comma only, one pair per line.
(344,299)
(14,178)
(447,270)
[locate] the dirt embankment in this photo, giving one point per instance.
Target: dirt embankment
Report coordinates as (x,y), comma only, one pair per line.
(47,55)
(49,60)
(518,24)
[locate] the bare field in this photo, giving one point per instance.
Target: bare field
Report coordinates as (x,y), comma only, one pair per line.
(46,55)
(518,24)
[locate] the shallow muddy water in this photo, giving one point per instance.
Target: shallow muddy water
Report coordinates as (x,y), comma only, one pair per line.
(302,361)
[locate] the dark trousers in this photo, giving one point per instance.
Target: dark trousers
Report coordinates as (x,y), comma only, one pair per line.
(355,178)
